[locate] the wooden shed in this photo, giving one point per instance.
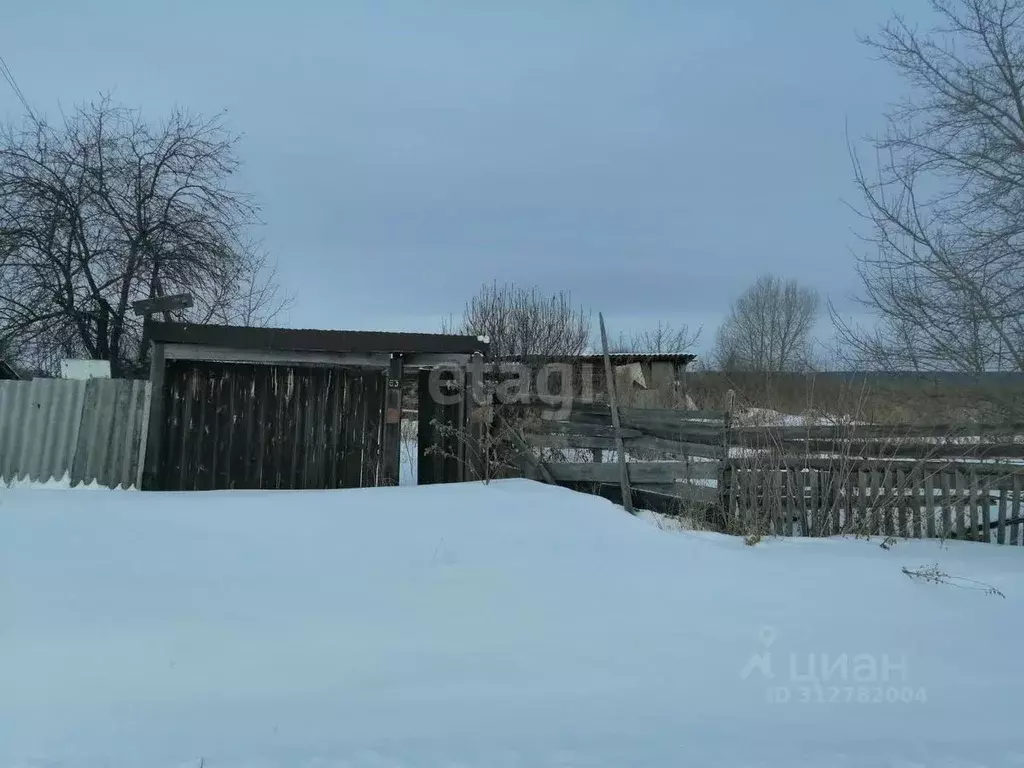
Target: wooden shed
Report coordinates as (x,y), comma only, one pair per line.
(274,408)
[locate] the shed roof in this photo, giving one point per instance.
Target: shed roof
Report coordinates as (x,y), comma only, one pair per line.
(313,340)
(617,358)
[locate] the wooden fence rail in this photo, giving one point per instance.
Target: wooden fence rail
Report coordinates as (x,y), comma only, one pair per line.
(670,453)
(904,480)
(889,432)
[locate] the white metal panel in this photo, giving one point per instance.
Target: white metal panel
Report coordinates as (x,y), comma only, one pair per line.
(85,369)
(91,430)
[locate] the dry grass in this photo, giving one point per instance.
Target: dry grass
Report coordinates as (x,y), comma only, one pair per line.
(877,398)
(933,575)
(776,490)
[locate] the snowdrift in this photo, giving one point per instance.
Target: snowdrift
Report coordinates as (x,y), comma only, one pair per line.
(503,625)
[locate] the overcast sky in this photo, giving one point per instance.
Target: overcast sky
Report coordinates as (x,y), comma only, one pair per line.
(650,157)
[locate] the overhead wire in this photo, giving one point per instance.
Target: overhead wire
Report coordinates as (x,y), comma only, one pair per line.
(7,75)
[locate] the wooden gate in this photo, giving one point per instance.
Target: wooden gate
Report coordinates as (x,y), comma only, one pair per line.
(442,428)
(246,426)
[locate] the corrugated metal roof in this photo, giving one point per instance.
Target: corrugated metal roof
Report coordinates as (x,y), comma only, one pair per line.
(645,357)
(619,358)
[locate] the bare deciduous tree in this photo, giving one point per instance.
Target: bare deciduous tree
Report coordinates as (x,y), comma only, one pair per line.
(945,208)
(104,209)
(768,329)
(662,339)
(523,322)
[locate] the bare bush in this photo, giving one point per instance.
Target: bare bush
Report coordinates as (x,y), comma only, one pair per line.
(663,339)
(105,208)
(525,323)
(493,448)
(944,273)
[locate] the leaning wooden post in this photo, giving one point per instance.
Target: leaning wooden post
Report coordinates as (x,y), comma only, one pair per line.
(477,434)
(725,474)
(627,494)
(153,475)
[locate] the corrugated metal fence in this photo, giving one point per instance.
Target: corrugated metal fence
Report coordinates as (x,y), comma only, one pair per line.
(92,430)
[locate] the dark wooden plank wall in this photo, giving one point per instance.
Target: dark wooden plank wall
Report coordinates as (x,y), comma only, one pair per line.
(270,427)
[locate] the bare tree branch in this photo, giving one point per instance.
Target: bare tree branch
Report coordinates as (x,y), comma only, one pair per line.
(944,271)
(523,322)
(768,329)
(664,338)
(103,209)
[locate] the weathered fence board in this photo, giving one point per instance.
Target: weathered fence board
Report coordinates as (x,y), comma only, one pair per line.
(997,472)
(681,491)
(602,410)
(562,439)
(579,430)
(1018,523)
(929,506)
(1001,533)
(894,432)
(701,427)
(287,427)
(822,480)
(639,472)
(865,449)
(905,502)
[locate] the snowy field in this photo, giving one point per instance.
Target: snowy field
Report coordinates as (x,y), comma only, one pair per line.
(497,626)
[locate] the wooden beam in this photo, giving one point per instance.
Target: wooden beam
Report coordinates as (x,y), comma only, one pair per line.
(726,478)
(584,406)
(393,422)
(154,429)
(147,407)
(428,463)
(607,443)
(309,340)
(680,491)
(871,449)
(435,360)
(201,352)
(874,431)
(654,418)
(162,304)
(544,427)
(639,472)
(627,499)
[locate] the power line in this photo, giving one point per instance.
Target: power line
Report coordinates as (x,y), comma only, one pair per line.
(6,73)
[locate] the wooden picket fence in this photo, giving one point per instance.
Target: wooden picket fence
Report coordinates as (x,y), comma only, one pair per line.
(962,500)
(912,481)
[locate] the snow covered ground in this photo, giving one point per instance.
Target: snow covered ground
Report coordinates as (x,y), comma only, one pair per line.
(495,626)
